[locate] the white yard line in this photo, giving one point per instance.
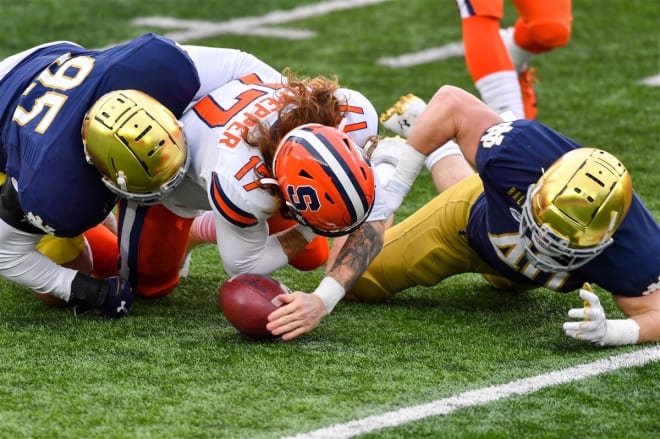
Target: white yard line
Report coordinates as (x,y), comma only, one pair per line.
(197,29)
(450,50)
(483,396)
(653,81)
(187,30)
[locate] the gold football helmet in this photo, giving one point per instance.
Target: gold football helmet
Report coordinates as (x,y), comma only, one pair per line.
(137,144)
(572,211)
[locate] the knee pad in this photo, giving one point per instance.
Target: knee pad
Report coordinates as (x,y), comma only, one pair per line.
(314,255)
(548,35)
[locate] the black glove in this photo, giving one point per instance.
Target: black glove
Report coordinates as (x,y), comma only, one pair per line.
(111,297)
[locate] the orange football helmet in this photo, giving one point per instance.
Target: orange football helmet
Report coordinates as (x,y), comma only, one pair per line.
(326,181)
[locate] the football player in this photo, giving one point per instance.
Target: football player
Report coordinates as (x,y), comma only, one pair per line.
(51,188)
(498,59)
(277,160)
(542,211)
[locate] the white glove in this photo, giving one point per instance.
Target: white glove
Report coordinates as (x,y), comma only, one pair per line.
(401,116)
(388,199)
(386,150)
(595,327)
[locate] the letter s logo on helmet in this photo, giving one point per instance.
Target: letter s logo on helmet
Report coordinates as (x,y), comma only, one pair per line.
(326,181)
(137,145)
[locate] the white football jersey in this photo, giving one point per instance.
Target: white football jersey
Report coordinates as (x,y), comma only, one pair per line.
(224,170)
(222,173)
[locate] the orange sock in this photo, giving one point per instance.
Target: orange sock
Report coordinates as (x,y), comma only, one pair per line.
(314,255)
(485,52)
(105,251)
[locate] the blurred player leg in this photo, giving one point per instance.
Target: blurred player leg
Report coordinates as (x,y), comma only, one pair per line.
(104,251)
(486,56)
(541,27)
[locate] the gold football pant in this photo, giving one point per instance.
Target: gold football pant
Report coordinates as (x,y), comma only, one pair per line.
(427,247)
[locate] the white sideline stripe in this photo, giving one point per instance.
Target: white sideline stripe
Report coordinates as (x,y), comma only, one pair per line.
(653,81)
(482,396)
(450,50)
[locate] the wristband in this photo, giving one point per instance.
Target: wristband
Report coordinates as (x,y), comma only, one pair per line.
(449,148)
(330,291)
(306,233)
(621,332)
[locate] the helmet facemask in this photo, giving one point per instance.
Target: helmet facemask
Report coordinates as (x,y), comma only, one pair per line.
(549,250)
(570,215)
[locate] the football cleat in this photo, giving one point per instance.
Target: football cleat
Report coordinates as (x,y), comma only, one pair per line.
(137,145)
(527,78)
(570,214)
(326,181)
(401,116)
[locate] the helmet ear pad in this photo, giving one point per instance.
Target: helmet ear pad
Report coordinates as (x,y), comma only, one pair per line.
(326,181)
(136,143)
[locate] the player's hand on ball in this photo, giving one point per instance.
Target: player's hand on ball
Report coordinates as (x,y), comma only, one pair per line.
(593,325)
(299,313)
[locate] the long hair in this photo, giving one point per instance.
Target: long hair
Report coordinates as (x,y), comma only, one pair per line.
(302,100)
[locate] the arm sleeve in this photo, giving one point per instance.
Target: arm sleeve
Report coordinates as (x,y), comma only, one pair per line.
(248,249)
(218,66)
(22,264)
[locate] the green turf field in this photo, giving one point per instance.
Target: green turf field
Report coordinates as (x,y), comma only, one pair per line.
(176,369)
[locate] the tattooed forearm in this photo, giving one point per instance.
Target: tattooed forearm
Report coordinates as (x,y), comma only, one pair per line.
(360,249)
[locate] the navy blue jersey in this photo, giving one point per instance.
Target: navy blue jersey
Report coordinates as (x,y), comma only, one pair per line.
(511,157)
(43,101)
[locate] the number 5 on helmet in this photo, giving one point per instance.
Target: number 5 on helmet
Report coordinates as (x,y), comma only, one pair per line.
(326,181)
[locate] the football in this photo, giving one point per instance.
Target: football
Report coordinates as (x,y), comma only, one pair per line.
(247,299)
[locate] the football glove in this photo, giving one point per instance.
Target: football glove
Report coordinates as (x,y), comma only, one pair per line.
(386,150)
(111,297)
(595,327)
(118,300)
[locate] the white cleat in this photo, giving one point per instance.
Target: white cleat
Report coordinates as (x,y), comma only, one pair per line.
(401,116)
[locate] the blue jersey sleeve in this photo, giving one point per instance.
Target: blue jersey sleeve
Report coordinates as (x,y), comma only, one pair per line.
(631,265)
(47,96)
(511,157)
